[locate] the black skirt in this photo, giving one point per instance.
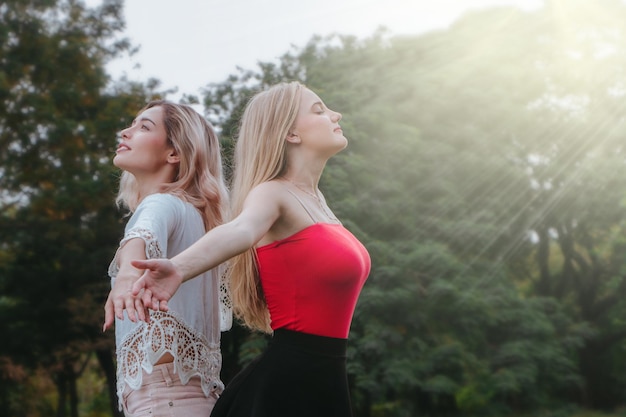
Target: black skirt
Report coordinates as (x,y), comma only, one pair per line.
(298,375)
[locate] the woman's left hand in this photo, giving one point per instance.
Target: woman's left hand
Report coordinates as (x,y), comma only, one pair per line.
(121,298)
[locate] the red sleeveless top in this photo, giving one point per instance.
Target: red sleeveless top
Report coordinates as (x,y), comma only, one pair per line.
(312,279)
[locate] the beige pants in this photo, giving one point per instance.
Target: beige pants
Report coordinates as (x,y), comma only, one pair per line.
(162,394)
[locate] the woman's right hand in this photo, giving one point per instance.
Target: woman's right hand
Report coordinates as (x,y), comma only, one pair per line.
(160,281)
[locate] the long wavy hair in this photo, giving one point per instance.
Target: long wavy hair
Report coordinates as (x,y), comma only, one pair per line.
(199,177)
(260,156)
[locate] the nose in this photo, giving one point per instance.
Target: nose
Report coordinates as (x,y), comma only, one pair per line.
(337,116)
(124,133)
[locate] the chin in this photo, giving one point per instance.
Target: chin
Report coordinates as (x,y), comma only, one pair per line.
(119,162)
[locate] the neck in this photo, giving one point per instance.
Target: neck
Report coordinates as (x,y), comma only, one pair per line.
(313,192)
(303,169)
(150,184)
(307,179)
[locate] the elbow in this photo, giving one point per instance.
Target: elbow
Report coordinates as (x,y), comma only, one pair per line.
(243,237)
(249,239)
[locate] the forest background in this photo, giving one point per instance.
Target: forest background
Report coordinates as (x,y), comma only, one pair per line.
(485,174)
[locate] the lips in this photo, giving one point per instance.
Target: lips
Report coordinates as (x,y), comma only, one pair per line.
(122,147)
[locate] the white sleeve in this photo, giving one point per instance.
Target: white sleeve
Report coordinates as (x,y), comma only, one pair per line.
(154,221)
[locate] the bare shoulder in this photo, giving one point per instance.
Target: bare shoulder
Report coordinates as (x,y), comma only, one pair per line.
(282,207)
(270,187)
(273,191)
(264,203)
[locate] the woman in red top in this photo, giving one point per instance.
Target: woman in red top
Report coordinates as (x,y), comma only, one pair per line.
(297,271)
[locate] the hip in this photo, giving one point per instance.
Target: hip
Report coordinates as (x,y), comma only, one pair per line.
(162,393)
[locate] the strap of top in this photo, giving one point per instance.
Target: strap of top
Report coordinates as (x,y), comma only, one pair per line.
(302,204)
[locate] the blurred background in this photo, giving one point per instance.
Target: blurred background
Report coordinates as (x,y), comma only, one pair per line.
(486,175)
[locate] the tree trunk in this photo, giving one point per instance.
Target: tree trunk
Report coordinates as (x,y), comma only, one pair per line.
(73,391)
(105,359)
(543,286)
(61,384)
(230,346)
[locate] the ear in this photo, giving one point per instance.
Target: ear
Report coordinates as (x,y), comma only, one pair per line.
(293,138)
(172,157)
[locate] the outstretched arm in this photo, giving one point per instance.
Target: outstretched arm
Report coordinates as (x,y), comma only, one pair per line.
(163,277)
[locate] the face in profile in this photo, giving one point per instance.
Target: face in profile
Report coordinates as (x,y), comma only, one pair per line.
(143,148)
(317,126)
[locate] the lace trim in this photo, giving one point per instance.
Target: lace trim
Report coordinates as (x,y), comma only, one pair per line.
(193,354)
(153,249)
(226,303)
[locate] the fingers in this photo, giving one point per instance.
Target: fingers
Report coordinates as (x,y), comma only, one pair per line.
(114,307)
(143,264)
(141,310)
(108,315)
(149,300)
(126,302)
(137,308)
(156,273)
(143,313)
(159,305)
(139,285)
(146,298)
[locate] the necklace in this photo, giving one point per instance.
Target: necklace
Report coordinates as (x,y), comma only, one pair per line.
(317,198)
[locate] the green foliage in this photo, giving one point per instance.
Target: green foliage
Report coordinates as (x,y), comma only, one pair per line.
(483,173)
(34,392)
(252,347)
(58,223)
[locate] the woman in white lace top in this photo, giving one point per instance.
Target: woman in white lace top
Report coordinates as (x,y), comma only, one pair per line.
(172,183)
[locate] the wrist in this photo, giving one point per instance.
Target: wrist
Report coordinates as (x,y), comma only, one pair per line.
(125,277)
(180,272)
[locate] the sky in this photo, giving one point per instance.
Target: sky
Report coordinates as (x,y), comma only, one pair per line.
(188,44)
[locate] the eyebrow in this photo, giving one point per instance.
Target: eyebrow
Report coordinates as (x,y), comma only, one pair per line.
(146,119)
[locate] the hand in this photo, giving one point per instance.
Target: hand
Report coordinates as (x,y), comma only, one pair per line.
(121,298)
(159,282)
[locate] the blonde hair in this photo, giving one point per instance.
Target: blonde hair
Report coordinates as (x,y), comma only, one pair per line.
(198,179)
(260,156)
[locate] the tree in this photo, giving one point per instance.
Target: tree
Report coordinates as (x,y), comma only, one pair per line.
(58,224)
(483,174)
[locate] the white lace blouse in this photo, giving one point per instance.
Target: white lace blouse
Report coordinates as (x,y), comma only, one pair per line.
(198,311)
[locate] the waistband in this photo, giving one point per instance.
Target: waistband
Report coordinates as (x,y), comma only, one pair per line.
(164,372)
(311,343)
